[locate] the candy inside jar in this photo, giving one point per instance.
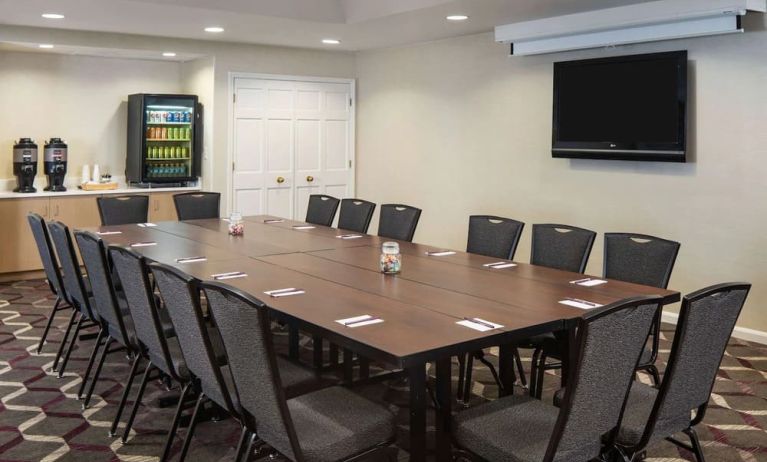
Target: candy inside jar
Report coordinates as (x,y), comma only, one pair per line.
(236,225)
(391,259)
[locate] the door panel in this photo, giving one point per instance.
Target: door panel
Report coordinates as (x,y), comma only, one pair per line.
(291,139)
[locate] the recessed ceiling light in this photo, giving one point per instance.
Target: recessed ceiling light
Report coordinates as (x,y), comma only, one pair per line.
(214,29)
(53,16)
(331,41)
(45,45)
(169,54)
(457,17)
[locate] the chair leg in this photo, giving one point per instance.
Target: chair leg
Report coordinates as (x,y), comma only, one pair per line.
(489,365)
(653,371)
(91,360)
(71,346)
(696,447)
(520,368)
(64,341)
(56,308)
(541,375)
(241,444)
(461,376)
(534,365)
(124,399)
(174,425)
(192,425)
(136,403)
(97,373)
(468,382)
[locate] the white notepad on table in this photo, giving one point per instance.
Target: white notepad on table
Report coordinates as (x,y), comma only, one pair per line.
(479,324)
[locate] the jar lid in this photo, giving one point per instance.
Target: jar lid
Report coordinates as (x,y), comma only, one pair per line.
(390,247)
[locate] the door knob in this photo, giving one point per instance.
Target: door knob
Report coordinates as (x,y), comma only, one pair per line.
(309,178)
(280,180)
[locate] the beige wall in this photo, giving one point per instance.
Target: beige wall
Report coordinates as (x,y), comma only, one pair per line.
(458,127)
(82,100)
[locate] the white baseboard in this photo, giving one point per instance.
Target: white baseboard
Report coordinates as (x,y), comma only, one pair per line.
(742,333)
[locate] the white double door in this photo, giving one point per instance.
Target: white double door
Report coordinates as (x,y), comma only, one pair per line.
(291,139)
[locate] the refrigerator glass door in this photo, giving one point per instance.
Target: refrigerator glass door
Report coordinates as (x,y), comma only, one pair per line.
(169,138)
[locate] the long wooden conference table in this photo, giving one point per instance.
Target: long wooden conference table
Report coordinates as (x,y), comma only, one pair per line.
(420,307)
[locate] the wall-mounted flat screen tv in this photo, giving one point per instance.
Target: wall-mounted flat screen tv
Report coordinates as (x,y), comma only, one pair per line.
(621,108)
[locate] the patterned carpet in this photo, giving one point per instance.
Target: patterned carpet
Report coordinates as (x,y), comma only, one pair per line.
(40,419)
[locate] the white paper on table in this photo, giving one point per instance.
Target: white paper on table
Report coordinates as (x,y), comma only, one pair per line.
(287,294)
(349,236)
(480,326)
(440,254)
(276,291)
(581,305)
(222,276)
(590,282)
(505,265)
(143,244)
(304,227)
(495,264)
(190,259)
(359,321)
(273,221)
(108,233)
(147,225)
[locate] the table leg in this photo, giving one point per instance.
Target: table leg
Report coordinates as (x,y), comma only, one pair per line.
(293,338)
(348,366)
(364,368)
(333,353)
(506,369)
(417,380)
(444,409)
(566,339)
(317,351)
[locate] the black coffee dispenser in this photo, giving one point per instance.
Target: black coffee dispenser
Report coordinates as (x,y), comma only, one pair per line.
(25,165)
(55,164)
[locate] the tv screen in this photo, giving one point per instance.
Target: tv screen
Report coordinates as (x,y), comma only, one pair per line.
(625,108)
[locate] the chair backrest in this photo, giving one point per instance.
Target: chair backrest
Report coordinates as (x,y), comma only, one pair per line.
(70,268)
(355,215)
(492,236)
(197,205)
(397,221)
(322,209)
(705,324)
(123,210)
(562,247)
(639,258)
(134,277)
(47,255)
(181,296)
(96,261)
(609,343)
(244,324)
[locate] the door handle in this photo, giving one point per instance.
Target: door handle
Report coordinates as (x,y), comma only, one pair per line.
(280,180)
(309,178)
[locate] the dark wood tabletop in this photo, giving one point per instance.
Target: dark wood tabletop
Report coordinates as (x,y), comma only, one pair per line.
(420,307)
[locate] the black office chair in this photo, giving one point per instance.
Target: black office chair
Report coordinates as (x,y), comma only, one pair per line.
(706,322)
(75,288)
(351,427)
(355,215)
(162,352)
(53,275)
(562,247)
(123,210)
(524,429)
(646,260)
(322,209)
(397,221)
(112,310)
(495,237)
(197,205)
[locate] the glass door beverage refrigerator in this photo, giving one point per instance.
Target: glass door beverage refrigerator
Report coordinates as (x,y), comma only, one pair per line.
(164,140)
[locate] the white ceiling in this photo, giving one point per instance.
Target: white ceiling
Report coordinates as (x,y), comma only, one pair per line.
(359,24)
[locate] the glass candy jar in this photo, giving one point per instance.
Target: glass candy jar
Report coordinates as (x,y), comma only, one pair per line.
(391,259)
(236,225)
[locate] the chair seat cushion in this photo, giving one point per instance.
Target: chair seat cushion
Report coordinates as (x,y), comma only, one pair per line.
(515,428)
(638,408)
(336,423)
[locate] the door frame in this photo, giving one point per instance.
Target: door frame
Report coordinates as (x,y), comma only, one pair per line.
(300,78)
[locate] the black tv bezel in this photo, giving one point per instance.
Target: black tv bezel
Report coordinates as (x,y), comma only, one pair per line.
(642,151)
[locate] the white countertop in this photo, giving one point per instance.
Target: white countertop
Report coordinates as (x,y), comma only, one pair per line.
(80,192)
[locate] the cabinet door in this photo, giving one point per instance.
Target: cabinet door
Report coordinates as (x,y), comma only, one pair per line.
(161,207)
(75,211)
(18,251)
